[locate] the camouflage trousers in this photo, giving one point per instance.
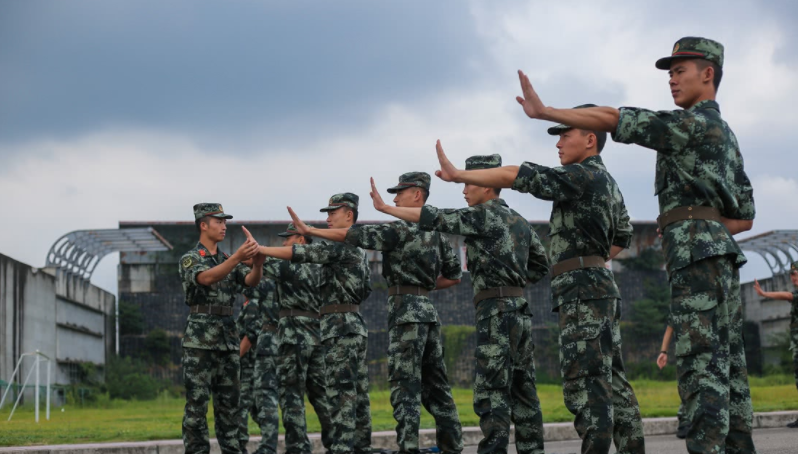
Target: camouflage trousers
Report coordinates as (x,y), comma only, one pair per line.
(417,375)
(595,388)
(348,393)
(794,348)
(266,392)
(246,403)
(707,318)
(300,371)
(681,416)
(505,389)
(209,373)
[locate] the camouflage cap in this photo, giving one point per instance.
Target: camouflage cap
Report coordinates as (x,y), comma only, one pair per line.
(694,47)
(411,180)
(345,199)
(560,128)
(483,162)
(213,210)
(793,267)
(291,230)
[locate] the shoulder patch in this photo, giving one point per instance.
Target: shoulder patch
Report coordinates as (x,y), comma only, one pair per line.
(187,262)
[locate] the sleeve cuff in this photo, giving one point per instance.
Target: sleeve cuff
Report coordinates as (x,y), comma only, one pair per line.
(427,220)
(623,242)
(627,123)
(525,173)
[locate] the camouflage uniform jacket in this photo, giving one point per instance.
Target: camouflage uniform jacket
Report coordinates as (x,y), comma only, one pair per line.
(347,280)
(794,313)
(248,320)
(501,249)
(588,217)
(409,257)
(298,287)
(205,331)
(698,164)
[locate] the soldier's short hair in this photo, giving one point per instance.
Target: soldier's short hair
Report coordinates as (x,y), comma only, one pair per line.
(205,219)
(424,193)
(704,64)
(497,191)
(354,213)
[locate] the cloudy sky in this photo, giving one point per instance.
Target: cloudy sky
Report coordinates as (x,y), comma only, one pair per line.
(116,111)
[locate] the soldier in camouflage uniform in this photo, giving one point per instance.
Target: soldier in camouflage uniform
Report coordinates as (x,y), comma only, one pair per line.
(247,317)
(504,254)
(589,225)
(300,354)
(347,283)
(211,280)
(414,263)
(792,297)
(264,327)
(705,197)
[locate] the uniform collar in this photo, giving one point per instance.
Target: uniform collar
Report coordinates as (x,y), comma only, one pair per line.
(594,161)
(496,201)
(705,104)
(204,252)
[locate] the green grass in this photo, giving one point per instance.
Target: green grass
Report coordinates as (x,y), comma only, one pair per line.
(160,419)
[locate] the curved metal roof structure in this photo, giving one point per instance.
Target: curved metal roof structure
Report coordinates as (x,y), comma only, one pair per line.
(79,252)
(777,247)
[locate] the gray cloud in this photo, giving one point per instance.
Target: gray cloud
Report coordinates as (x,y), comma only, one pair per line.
(223,69)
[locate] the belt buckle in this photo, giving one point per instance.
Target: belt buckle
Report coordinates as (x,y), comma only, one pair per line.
(581,262)
(501,292)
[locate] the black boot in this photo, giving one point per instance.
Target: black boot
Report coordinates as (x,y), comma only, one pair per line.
(681,432)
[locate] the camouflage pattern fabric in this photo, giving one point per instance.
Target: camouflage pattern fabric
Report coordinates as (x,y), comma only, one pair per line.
(505,387)
(300,357)
(347,280)
(246,403)
(588,217)
(416,369)
(794,333)
(347,393)
(595,388)
(266,392)
(300,371)
(417,374)
(205,331)
(263,300)
(502,250)
(699,164)
(210,353)
(707,319)
(209,373)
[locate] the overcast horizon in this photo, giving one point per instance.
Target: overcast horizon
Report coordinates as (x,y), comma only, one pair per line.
(134,111)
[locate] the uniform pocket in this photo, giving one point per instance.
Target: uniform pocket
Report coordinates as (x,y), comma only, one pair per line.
(402,362)
(581,354)
(492,366)
(696,332)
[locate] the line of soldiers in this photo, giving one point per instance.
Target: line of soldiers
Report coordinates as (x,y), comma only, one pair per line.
(316,340)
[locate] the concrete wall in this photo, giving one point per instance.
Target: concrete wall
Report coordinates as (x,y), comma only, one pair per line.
(66,318)
(771,316)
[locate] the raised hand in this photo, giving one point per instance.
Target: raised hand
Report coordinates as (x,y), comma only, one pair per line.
(531,103)
(300,226)
(448,171)
(376,198)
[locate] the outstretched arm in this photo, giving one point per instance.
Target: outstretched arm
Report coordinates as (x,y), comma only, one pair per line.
(338,235)
(409,214)
(281,252)
(589,118)
(786,296)
(246,251)
(500,177)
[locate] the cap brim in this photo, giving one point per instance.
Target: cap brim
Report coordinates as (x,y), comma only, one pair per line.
(330,208)
(664,63)
(557,130)
(287,234)
(396,189)
(221,216)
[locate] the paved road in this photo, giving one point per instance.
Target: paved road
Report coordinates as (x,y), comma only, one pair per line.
(776,441)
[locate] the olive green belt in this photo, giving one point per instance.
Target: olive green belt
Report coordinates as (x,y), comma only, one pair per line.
(212,310)
(498,292)
(339,309)
(272,328)
(590,261)
(407,290)
(687,213)
(296,313)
